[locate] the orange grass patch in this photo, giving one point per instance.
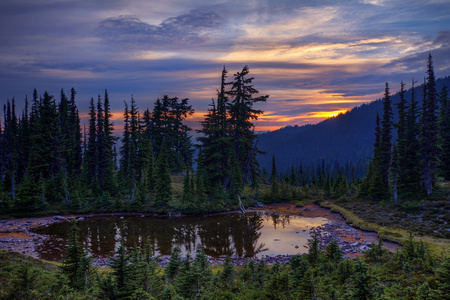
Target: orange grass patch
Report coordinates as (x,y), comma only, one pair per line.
(309,210)
(14,235)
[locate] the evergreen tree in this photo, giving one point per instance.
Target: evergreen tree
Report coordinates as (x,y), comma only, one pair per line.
(163,181)
(293,180)
(44,156)
(133,147)
(410,187)
(64,138)
(121,271)
(373,185)
(202,271)
(106,161)
(167,126)
(11,147)
(125,149)
(24,143)
(443,277)
(428,137)
(444,134)
(333,253)
(75,156)
(402,127)
(76,263)
(174,264)
(363,284)
(90,159)
(28,282)
(385,147)
(227,275)
(242,113)
(146,162)
(216,143)
(314,252)
(395,172)
(273,173)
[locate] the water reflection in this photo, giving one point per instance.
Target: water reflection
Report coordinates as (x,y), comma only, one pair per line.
(249,235)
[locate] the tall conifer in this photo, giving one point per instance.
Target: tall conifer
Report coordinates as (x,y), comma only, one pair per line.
(386,136)
(444,134)
(242,113)
(410,187)
(428,138)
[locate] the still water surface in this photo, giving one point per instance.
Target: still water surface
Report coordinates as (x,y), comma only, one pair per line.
(249,235)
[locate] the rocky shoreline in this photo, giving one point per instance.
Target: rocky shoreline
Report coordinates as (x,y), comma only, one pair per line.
(17,235)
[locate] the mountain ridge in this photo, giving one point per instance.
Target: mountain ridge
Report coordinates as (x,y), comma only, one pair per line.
(346,138)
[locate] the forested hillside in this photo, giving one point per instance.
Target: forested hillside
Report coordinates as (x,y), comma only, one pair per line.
(345,139)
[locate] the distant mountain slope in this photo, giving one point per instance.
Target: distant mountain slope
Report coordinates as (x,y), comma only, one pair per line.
(345,138)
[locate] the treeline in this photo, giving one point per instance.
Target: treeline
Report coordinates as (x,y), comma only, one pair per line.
(408,168)
(46,159)
(411,273)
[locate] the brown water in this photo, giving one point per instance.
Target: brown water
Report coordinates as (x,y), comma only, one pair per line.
(249,235)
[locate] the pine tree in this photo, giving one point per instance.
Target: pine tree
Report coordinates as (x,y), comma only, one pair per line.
(76,263)
(273,173)
(395,172)
(202,271)
(27,283)
(333,253)
(121,271)
(167,126)
(64,138)
(443,277)
(293,180)
(75,157)
(411,168)
(444,133)
(90,159)
(106,161)
(401,148)
(44,151)
(174,264)
(227,275)
(133,147)
(11,147)
(314,253)
(242,113)
(24,143)
(146,162)
(125,149)
(386,136)
(428,138)
(216,143)
(363,284)
(163,181)
(373,185)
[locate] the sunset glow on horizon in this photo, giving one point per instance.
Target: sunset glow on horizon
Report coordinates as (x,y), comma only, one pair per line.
(315,59)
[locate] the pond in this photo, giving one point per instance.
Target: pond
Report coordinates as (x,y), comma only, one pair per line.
(253,234)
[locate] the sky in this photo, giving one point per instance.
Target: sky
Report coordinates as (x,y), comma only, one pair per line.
(314,58)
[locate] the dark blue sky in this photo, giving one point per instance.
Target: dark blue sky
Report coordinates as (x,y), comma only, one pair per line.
(314,58)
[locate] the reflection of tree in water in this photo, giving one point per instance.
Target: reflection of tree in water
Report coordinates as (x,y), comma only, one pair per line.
(278,219)
(219,235)
(252,234)
(105,236)
(246,233)
(215,236)
(186,234)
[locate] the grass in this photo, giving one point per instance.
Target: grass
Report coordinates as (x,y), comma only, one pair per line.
(438,246)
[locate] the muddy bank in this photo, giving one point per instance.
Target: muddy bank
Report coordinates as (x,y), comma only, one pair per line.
(17,234)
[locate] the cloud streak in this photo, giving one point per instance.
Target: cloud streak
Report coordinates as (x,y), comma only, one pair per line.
(189,29)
